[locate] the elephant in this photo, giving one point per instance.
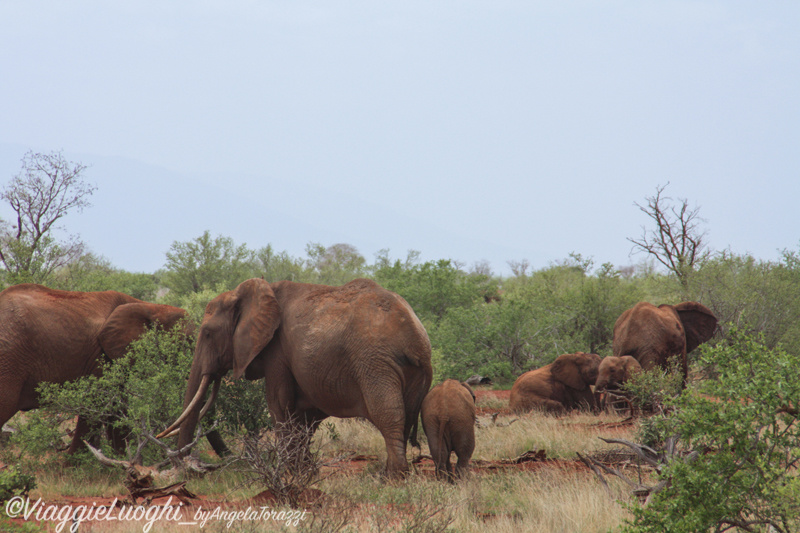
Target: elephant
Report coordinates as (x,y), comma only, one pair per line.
(654,335)
(563,384)
(614,371)
(448,418)
(49,335)
(357,350)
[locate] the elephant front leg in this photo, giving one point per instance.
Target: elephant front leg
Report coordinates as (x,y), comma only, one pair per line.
(82,430)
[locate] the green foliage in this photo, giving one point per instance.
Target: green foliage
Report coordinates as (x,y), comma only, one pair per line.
(195,303)
(278,266)
(431,288)
(142,391)
(38,434)
(15,483)
(334,265)
(650,390)
(581,308)
(744,425)
(496,339)
(561,309)
(206,263)
(92,273)
(754,296)
(241,408)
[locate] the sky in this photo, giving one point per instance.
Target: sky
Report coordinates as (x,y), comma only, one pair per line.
(472,130)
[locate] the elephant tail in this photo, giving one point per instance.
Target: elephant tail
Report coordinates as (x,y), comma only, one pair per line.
(417,386)
(412,438)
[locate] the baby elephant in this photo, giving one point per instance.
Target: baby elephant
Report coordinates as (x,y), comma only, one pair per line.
(555,388)
(448,418)
(615,371)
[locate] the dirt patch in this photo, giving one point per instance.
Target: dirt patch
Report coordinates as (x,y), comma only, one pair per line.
(497,398)
(483,394)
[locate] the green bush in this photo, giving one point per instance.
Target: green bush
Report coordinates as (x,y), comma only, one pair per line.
(744,431)
(15,483)
(241,408)
(650,390)
(140,393)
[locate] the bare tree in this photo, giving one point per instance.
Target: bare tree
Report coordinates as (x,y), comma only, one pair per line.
(677,241)
(519,268)
(47,188)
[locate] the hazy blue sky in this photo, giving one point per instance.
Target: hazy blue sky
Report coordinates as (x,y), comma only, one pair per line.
(496,130)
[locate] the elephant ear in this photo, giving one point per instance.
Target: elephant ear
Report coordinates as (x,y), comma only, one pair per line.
(698,322)
(469,389)
(632,366)
(565,370)
(259,315)
(129,321)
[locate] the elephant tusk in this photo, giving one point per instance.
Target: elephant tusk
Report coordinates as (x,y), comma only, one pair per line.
(170,434)
(210,400)
(201,391)
(203,411)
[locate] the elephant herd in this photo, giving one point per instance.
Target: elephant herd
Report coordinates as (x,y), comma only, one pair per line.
(645,337)
(357,350)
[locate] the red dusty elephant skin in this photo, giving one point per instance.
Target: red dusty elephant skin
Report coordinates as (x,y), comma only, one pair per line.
(352,351)
(563,384)
(448,418)
(58,336)
(653,335)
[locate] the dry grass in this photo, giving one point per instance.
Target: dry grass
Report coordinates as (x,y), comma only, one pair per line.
(554,496)
(561,437)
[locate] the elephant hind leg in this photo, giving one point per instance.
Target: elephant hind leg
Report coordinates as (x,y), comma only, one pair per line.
(441,460)
(551,407)
(464,446)
(462,466)
(386,412)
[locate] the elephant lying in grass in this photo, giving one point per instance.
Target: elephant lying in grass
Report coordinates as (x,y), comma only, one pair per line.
(555,388)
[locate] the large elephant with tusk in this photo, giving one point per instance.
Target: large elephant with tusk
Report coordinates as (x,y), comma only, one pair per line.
(352,351)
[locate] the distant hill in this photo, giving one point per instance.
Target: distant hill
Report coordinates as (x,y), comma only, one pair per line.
(139,210)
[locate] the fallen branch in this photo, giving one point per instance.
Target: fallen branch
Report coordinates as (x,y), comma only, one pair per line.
(647,454)
(178,459)
(139,479)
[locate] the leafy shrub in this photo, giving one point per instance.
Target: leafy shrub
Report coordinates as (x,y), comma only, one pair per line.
(140,393)
(241,407)
(744,434)
(650,390)
(15,483)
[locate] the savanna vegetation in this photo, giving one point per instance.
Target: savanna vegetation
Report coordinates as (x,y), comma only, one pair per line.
(727,447)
